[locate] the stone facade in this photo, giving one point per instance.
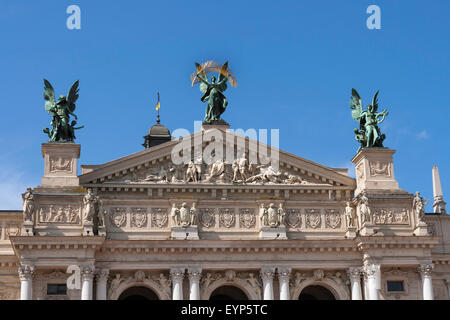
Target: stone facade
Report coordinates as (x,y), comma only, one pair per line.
(186,231)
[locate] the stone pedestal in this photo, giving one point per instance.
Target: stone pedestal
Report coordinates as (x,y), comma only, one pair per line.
(88,229)
(221,126)
(60,164)
(27,228)
(185,233)
(269,233)
(421,229)
(374,170)
(351,232)
(101,231)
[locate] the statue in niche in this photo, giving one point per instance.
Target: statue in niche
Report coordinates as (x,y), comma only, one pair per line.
(28,206)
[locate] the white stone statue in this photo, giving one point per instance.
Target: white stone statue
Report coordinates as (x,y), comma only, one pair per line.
(101,215)
(419,206)
(263,215)
(292,178)
(271,216)
(364,208)
(350,215)
(28,205)
(183,217)
(217,169)
(90,202)
(256,285)
(267,174)
(243,164)
(192,172)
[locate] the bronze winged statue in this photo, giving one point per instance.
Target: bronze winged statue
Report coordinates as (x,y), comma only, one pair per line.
(212,90)
(61,110)
(368,134)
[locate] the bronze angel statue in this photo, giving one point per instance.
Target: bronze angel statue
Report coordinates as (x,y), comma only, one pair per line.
(212,90)
(368,134)
(61,110)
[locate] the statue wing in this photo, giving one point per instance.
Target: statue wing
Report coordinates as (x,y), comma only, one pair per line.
(203,85)
(72,97)
(49,95)
(223,77)
(356,105)
(375,101)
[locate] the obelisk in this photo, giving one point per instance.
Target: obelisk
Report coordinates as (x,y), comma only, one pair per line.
(438,204)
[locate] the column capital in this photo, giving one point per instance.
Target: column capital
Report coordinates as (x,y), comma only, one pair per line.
(284,273)
(26,272)
(194,273)
(177,274)
(267,273)
(354,273)
(87,272)
(102,274)
(426,269)
(370,270)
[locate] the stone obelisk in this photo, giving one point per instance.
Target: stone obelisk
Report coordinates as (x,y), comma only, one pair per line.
(438,204)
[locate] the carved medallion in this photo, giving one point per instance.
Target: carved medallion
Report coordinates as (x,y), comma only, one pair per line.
(247,218)
(159,217)
(118,217)
(380,168)
(226,217)
(313,219)
(138,217)
(332,219)
(207,218)
(293,218)
(60,164)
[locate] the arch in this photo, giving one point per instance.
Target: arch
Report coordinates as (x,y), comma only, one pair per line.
(228,292)
(241,284)
(338,291)
(316,293)
(148,283)
(138,293)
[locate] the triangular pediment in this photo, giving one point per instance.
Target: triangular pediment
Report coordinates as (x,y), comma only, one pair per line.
(155,166)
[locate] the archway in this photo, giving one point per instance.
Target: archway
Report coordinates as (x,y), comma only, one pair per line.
(138,293)
(228,293)
(316,292)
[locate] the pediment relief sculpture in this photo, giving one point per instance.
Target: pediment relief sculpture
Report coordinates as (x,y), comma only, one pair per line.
(183,216)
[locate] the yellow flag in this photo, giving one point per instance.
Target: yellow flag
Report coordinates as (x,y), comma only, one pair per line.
(158,105)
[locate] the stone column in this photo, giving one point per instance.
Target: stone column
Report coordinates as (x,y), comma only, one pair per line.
(373,274)
(87,281)
(194,273)
(177,275)
(26,282)
(101,278)
(284,275)
(425,271)
(267,274)
(354,273)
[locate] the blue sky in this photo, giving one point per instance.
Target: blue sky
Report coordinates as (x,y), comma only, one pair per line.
(295,62)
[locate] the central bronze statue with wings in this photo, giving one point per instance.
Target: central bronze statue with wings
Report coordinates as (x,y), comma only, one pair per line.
(212,90)
(368,134)
(61,110)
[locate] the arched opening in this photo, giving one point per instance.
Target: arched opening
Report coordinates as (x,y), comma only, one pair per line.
(316,293)
(138,293)
(228,293)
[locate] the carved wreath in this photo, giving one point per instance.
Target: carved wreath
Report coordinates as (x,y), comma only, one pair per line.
(207,218)
(118,217)
(226,218)
(313,219)
(138,217)
(159,217)
(293,218)
(247,218)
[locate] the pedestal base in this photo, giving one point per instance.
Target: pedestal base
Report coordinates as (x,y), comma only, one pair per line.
(60,164)
(88,230)
(188,233)
(366,230)
(102,231)
(351,233)
(269,233)
(421,229)
(27,229)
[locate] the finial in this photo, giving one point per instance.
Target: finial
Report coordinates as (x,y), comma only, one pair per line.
(438,203)
(158,105)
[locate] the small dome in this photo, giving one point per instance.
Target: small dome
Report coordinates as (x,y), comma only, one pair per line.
(158,130)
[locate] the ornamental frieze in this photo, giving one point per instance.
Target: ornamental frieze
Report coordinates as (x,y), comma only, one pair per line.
(61,214)
(60,164)
(391,216)
(380,168)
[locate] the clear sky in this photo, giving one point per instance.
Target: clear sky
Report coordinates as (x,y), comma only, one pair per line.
(295,62)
